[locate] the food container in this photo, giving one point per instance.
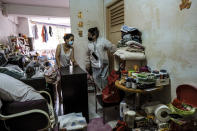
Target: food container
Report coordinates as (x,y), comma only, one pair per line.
(128,82)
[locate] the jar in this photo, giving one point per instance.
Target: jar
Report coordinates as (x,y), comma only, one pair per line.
(128,82)
(156,74)
(134,85)
(163,74)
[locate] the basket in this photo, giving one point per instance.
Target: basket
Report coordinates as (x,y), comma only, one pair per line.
(181,112)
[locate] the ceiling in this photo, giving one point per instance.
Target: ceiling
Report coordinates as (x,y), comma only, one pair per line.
(48,3)
(59,21)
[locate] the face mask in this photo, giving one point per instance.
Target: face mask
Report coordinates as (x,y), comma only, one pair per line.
(90,39)
(70,43)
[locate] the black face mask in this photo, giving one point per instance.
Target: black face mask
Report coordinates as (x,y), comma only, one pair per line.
(90,38)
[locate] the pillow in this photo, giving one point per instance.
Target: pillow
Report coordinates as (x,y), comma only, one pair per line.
(12,72)
(12,89)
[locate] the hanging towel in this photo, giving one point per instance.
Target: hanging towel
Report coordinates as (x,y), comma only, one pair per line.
(44,34)
(35,32)
(50,31)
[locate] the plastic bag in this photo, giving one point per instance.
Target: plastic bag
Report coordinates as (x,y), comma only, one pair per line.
(72,121)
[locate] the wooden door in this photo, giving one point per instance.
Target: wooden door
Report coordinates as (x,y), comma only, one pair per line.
(115,19)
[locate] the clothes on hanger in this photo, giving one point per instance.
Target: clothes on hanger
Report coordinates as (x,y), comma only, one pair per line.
(35,31)
(50,31)
(44,34)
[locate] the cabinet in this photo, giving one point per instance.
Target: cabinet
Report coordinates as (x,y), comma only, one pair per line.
(74,91)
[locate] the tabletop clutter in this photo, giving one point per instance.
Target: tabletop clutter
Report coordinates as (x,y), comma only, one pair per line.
(179,115)
(144,78)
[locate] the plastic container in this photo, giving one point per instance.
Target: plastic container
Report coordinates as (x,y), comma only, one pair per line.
(123,107)
(134,85)
(128,82)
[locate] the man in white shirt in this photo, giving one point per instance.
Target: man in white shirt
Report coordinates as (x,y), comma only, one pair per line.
(97,52)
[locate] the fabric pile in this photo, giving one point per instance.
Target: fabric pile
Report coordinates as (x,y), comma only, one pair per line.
(146,80)
(72,122)
(129,34)
(123,54)
(134,46)
(130,47)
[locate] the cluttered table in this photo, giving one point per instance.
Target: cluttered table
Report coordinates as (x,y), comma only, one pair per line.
(137,92)
(131,90)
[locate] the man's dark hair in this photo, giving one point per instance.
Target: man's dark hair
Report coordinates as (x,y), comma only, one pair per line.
(94,31)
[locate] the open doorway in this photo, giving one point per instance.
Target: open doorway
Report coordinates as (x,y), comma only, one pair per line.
(47,33)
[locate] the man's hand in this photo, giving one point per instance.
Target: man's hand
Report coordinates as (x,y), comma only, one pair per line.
(75,64)
(59,66)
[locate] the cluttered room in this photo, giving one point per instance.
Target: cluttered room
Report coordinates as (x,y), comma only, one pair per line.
(99,65)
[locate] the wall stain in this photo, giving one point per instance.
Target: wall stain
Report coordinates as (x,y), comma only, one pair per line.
(177,55)
(193,48)
(158,18)
(162,61)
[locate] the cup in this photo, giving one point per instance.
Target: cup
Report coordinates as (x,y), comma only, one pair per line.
(129,117)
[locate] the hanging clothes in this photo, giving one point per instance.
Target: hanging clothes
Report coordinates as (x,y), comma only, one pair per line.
(44,34)
(50,31)
(35,31)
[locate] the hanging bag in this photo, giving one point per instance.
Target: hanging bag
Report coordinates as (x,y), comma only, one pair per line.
(110,93)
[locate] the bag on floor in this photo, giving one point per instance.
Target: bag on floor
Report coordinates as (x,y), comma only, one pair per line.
(110,93)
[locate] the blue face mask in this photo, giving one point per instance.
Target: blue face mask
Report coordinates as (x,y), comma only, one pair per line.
(70,43)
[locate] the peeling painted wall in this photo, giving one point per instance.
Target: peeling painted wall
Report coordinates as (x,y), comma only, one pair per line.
(92,11)
(7,28)
(23,26)
(170,37)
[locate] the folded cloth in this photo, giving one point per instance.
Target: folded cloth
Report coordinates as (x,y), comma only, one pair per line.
(135,50)
(127,29)
(126,55)
(134,44)
(72,121)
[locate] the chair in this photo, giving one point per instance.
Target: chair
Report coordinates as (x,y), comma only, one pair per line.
(30,115)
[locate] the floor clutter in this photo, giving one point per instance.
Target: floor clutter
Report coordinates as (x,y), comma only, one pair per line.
(38,93)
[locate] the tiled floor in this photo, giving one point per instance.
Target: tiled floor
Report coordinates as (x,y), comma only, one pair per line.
(93,114)
(92,110)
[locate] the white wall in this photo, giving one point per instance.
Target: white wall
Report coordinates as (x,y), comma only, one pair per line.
(92,16)
(7,28)
(168,34)
(170,37)
(23,26)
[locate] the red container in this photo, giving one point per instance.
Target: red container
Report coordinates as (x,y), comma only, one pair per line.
(187,94)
